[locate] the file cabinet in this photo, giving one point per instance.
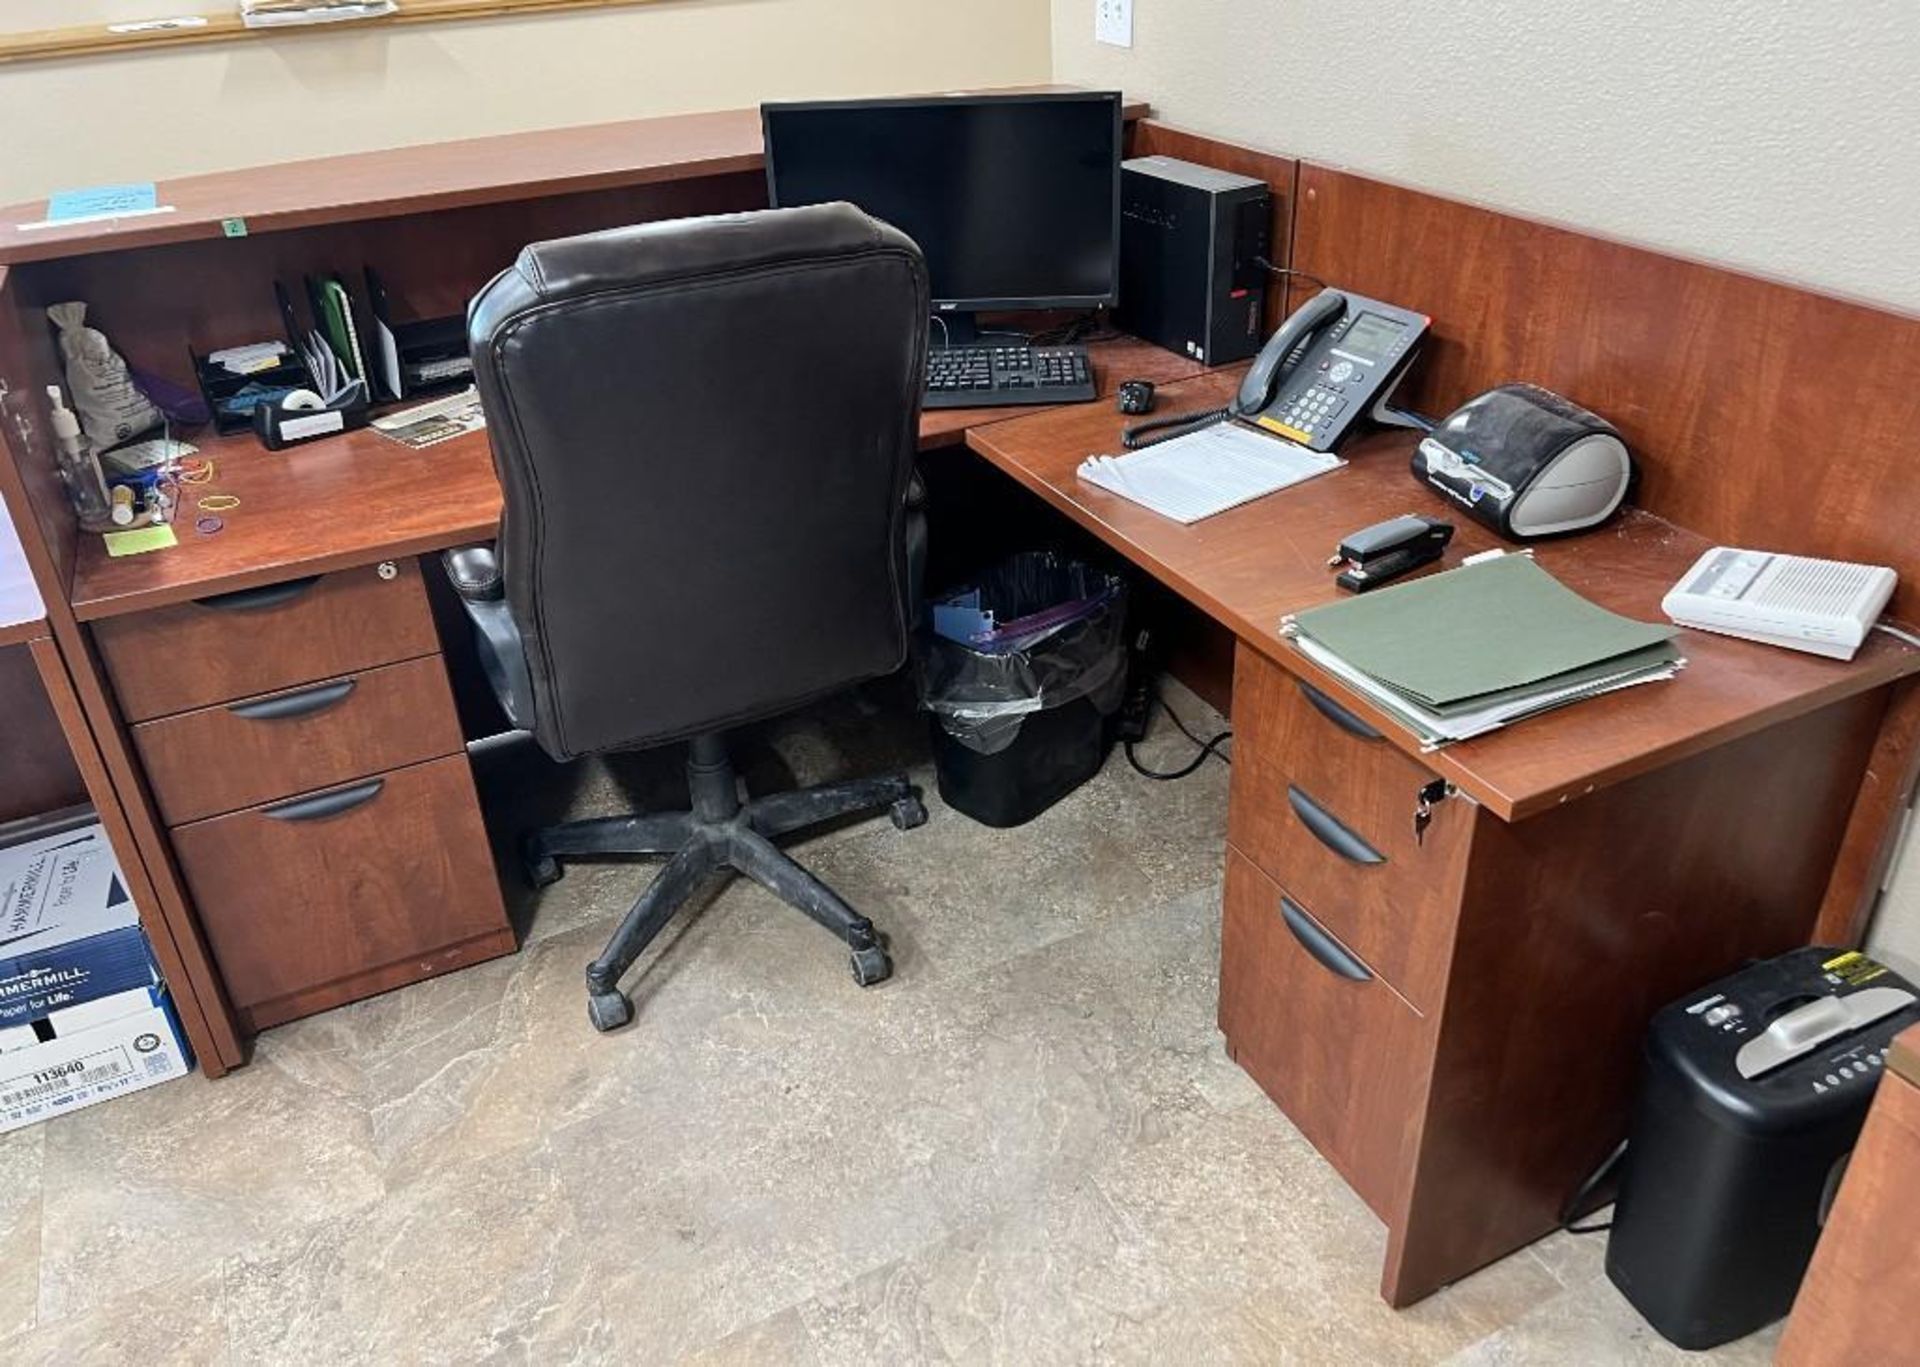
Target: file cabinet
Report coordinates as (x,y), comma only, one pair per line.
(1329,809)
(1320,1030)
(232,645)
(330,895)
(301,744)
(230,755)
(1418,993)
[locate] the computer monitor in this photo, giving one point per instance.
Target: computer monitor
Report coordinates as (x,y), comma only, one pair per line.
(1014,199)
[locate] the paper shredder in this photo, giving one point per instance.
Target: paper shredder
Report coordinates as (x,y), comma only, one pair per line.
(1754,1093)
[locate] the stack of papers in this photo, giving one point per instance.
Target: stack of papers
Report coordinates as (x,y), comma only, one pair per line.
(429,424)
(336,387)
(1458,654)
(1206,472)
(280,13)
(250,359)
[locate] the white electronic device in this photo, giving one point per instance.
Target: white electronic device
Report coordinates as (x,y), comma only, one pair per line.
(1823,606)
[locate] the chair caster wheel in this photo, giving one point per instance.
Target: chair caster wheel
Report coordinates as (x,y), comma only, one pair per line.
(908,813)
(608,1010)
(871,965)
(542,870)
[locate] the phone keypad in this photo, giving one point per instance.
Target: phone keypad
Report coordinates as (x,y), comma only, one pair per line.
(1313,411)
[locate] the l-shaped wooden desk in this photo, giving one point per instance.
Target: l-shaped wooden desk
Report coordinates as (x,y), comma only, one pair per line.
(1456,1030)
(1466,1049)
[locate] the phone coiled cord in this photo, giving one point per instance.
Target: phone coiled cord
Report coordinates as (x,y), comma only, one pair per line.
(1176,425)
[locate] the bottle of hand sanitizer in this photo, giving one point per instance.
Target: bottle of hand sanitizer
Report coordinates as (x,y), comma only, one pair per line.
(79,468)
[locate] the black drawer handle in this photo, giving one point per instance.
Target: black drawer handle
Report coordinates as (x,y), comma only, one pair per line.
(325,804)
(267,596)
(303,703)
(1327,951)
(1347,721)
(1326,828)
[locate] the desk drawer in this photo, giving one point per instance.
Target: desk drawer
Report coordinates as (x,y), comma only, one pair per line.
(232,755)
(343,893)
(1328,811)
(1344,1057)
(214,650)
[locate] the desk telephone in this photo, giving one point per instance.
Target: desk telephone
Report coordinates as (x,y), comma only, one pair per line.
(1337,359)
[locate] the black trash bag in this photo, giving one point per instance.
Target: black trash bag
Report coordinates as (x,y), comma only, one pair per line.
(1058,635)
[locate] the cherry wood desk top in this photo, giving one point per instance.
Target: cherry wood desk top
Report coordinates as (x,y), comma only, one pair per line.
(358,498)
(1116,359)
(338,502)
(1252,565)
(409,180)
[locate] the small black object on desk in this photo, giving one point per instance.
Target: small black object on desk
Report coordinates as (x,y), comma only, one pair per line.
(1136,396)
(1383,552)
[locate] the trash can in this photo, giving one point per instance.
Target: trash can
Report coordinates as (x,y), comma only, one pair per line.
(1024,672)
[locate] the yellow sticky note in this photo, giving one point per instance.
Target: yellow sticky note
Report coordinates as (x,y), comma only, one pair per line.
(141,541)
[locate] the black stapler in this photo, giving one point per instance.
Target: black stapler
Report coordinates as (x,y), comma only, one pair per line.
(1374,555)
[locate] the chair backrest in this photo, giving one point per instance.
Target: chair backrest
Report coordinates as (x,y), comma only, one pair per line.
(705,431)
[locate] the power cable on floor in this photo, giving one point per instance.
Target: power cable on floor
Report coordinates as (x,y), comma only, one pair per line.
(1207,748)
(1569,1213)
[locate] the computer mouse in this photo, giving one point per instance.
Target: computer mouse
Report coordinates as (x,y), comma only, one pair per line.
(1136,396)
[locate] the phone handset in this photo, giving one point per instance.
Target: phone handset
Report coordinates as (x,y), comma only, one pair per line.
(1257,389)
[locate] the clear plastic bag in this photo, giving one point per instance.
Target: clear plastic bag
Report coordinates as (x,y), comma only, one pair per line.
(1058,635)
(111,407)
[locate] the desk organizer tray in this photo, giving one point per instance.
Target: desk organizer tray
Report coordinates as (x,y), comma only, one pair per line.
(419,357)
(222,389)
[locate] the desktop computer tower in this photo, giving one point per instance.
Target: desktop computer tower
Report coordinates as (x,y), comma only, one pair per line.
(1191,243)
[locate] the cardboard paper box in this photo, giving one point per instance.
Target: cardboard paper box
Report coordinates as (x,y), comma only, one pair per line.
(83,1013)
(139,1046)
(69,933)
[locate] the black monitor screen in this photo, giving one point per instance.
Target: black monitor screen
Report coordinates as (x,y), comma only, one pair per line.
(1015,200)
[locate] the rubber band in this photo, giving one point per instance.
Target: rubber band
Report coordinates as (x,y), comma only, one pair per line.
(207,526)
(195,470)
(218,503)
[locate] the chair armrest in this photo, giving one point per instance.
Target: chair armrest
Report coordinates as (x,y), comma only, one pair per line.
(916,548)
(475,573)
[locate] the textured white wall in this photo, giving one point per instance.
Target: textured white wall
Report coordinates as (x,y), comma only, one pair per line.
(1777,137)
(154,115)
(1895,934)
(1782,138)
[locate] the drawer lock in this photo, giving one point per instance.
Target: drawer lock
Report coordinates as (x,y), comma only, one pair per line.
(1429,796)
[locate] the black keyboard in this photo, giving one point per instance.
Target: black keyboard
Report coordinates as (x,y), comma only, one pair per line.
(988,376)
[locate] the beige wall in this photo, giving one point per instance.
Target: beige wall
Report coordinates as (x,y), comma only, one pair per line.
(155,115)
(1896,931)
(1779,137)
(1776,137)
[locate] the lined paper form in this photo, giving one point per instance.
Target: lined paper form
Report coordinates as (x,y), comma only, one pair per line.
(1206,472)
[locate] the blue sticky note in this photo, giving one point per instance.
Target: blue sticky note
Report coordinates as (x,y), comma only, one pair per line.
(101,199)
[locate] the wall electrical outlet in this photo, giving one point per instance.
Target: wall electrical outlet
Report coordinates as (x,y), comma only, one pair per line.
(1113,22)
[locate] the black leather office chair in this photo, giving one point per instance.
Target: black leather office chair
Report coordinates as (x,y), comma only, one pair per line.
(705,431)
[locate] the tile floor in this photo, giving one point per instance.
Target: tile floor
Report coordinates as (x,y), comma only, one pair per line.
(1028,1148)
